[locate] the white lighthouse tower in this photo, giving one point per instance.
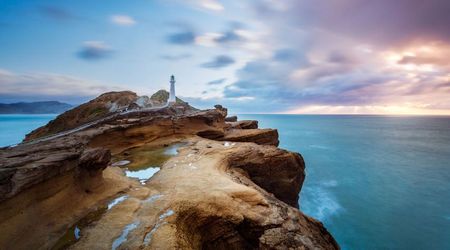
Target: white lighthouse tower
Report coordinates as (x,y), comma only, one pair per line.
(172,98)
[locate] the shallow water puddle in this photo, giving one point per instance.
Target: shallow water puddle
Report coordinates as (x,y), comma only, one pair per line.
(75,232)
(116,201)
(228,144)
(143,175)
(120,163)
(149,235)
(166,214)
(143,162)
(123,237)
(153,198)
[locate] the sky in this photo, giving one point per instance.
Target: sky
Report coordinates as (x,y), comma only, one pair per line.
(252,56)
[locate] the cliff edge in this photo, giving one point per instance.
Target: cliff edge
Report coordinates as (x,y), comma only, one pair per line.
(226,185)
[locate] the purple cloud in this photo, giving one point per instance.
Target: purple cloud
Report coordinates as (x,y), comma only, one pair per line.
(382,21)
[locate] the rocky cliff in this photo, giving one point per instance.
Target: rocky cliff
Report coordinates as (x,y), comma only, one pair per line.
(228,187)
(95,109)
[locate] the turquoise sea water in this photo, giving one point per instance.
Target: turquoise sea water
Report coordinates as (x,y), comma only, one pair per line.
(13,128)
(376,182)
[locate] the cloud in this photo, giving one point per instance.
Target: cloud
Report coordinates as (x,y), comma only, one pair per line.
(284,55)
(322,54)
(95,50)
(203,5)
(219,62)
(232,34)
(234,105)
(211,5)
(427,57)
(217,82)
(289,57)
(236,37)
(207,39)
(181,38)
(381,22)
(48,86)
(123,20)
(56,13)
(228,37)
(345,78)
(175,57)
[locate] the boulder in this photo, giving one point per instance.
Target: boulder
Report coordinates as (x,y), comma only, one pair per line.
(244,124)
(258,136)
(231,118)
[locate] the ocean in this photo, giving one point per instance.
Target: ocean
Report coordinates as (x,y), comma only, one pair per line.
(13,128)
(376,182)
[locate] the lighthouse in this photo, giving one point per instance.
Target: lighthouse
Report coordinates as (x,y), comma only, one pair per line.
(172,98)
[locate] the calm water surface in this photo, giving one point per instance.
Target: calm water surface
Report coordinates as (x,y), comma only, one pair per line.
(13,128)
(376,182)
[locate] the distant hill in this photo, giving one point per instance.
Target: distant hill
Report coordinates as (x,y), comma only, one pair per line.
(50,107)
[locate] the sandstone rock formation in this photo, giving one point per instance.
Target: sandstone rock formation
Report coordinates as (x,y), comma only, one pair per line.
(259,136)
(244,124)
(231,118)
(103,106)
(214,196)
(92,110)
(229,187)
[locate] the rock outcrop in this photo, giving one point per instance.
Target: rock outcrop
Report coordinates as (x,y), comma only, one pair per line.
(259,136)
(229,187)
(231,118)
(161,97)
(277,171)
(24,167)
(100,107)
(218,196)
(94,160)
(244,124)
(105,106)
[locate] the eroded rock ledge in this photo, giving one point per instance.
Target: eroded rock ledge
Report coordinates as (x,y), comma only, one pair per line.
(229,187)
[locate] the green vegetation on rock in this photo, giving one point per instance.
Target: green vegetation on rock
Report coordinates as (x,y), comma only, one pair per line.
(161,96)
